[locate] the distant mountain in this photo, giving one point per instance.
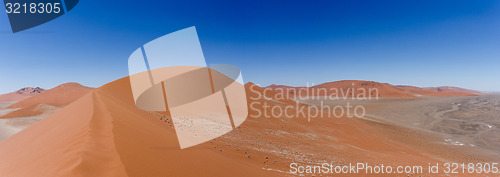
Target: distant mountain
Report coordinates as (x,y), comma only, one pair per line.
(21,94)
(30,91)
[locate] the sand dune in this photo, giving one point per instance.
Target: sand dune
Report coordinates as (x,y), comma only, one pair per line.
(11,126)
(278,141)
(438,91)
(31,111)
(4,110)
(351,88)
(104,134)
(20,94)
(13,96)
(346,88)
(59,96)
(48,101)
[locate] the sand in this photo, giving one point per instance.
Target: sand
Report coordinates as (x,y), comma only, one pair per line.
(11,126)
(356,87)
(461,121)
(12,97)
(20,94)
(438,91)
(347,88)
(469,123)
(59,96)
(47,102)
(30,111)
(104,134)
(3,108)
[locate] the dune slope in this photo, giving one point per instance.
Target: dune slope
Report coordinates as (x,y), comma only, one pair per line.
(350,88)
(104,134)
(30,111)
(58,96)
(344,88)
(21,94)
(438,91)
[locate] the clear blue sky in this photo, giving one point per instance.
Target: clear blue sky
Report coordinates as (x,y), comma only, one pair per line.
(422,43)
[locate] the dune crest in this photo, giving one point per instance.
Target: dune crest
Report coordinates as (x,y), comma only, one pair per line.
(58,96)
(31,111)
(104,134)
(444,91)
(48,101)
(346,87)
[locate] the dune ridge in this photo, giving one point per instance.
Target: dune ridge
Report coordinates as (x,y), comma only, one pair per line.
(104,134)
(21,94)
(446,91)
(344,88)
(58,96)
(48,101)
(31,111)
(350,88)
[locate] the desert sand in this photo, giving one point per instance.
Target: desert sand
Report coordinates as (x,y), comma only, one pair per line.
(3,108)
(461,121)
(438,91)
(345,87)
(48,101)
(20,94)
(11,126)
(469,123)
(30,111)
(104,134)
(18,115)
(352,88)
(58,96)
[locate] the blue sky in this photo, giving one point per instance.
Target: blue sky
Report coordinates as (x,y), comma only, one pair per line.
(421,43)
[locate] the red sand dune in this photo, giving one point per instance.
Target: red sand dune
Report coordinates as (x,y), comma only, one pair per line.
(351,88)
(31,111)
(438,91)
(20,94)
(104,134)
(58,96)
(344,88)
